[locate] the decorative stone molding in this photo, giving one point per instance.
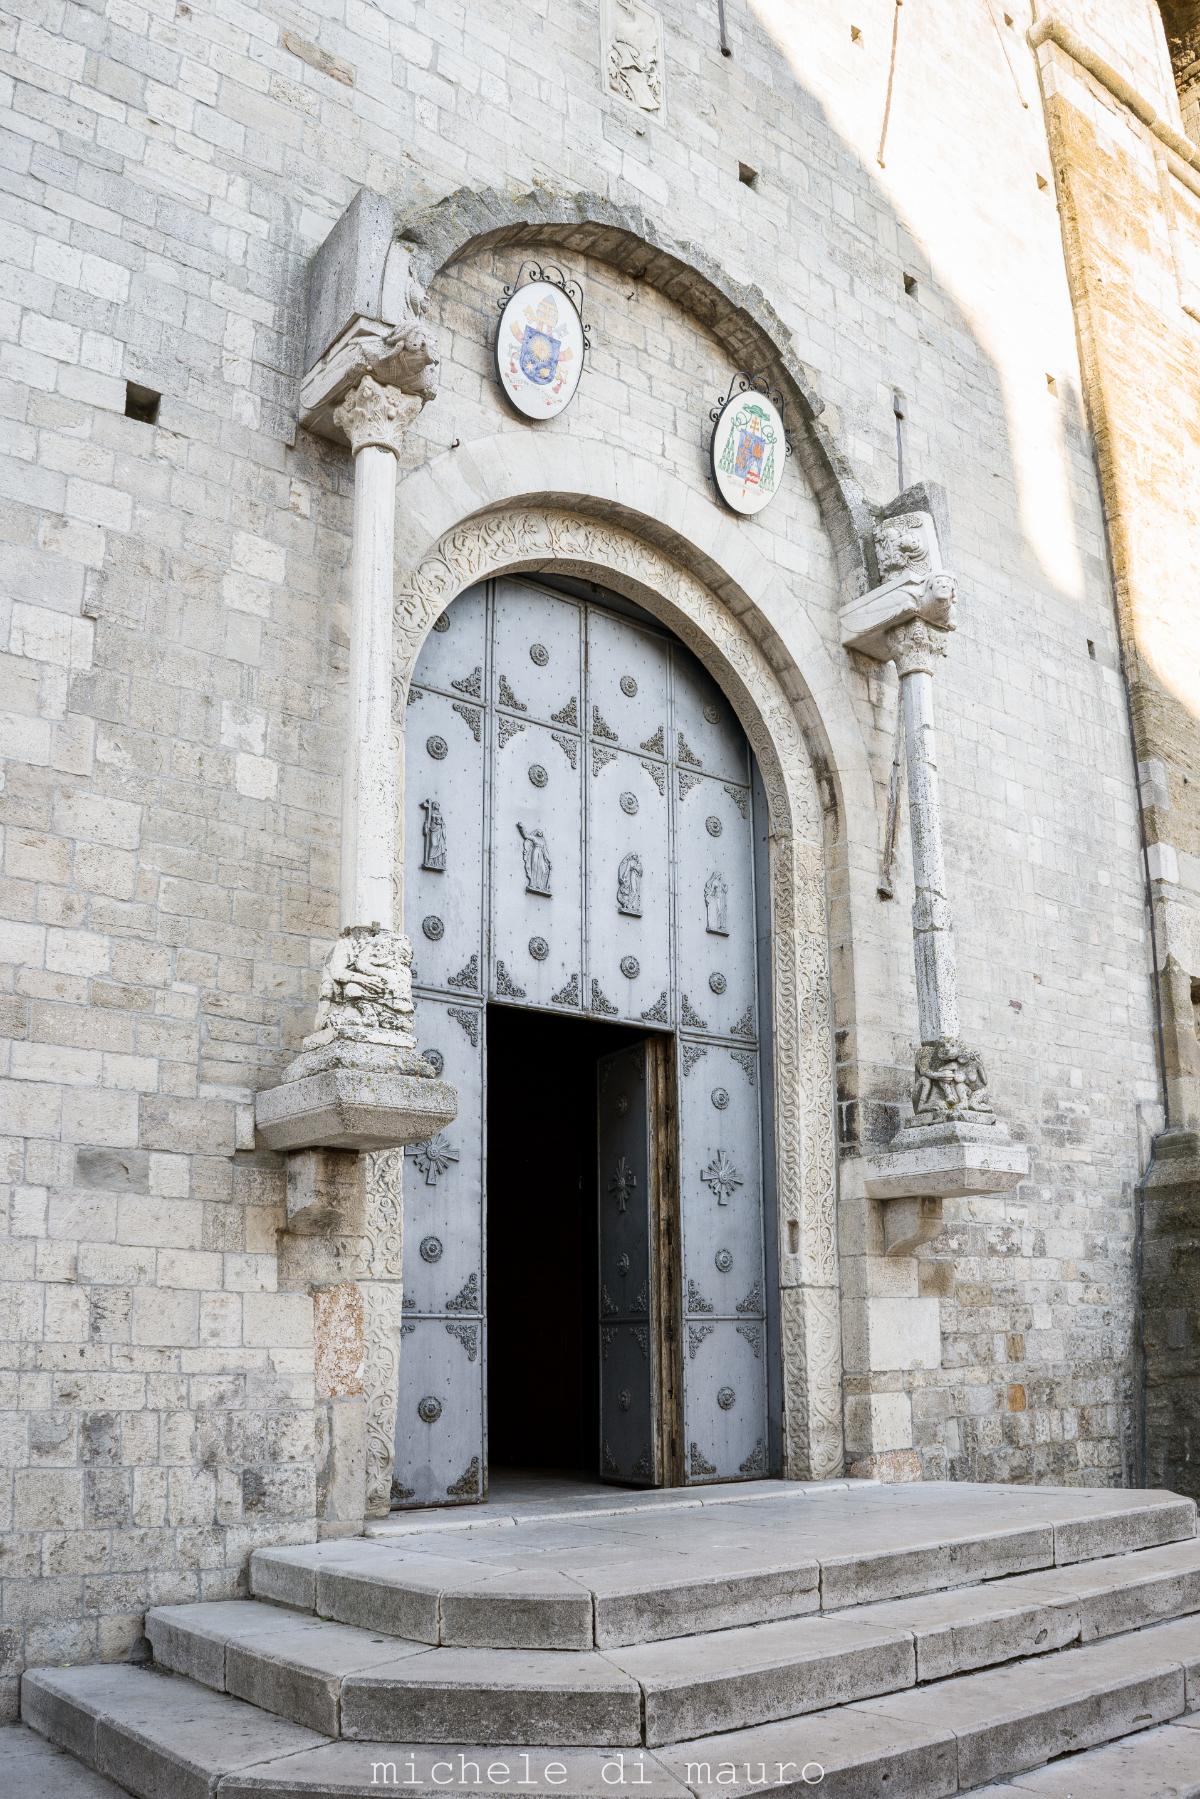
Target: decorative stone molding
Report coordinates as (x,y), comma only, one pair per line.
(524,537)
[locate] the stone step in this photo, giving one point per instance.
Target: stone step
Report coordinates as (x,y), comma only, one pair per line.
(165,1738)
(356,1683)
(1163,1763)
(35,1769)
(643,1574)
(959,1734)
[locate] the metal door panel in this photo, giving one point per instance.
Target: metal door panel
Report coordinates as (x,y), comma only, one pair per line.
(725,1413)
(443,839)
(714,856)
(720,1181)
(439,1416)
(629,888)
(443,1177)
(452,656)
(628,679)
(537,648)
(628,1346)
(707,734)
(537,874)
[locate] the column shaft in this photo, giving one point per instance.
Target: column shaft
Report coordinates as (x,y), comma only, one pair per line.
(369,822)
(933,940)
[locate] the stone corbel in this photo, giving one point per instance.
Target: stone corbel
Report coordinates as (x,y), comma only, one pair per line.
(956,1145)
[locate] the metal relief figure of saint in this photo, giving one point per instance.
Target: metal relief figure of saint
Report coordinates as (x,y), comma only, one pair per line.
(716,906)
(434,832)
(629,885)
(537,861)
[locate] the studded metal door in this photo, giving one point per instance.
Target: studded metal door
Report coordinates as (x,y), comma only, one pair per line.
(627,1301)
(580,840)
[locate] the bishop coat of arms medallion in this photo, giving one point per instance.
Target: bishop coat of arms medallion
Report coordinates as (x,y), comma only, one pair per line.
(748,450)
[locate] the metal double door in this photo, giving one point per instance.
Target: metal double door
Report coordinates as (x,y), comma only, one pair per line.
(580,840)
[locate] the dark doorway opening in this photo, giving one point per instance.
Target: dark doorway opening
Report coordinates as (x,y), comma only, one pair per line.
(542,1272)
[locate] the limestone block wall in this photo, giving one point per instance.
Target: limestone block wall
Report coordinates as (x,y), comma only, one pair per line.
(173,599)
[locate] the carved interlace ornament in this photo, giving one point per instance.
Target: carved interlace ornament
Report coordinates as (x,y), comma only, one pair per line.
(367,984)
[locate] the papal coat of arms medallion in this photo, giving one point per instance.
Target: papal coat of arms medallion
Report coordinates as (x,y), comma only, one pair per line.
(541,343)
(748,447)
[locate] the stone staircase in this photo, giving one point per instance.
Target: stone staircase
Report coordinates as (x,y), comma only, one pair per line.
(916,1640)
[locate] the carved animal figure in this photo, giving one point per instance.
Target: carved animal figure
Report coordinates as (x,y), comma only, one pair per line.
(367,981)
(950,1079)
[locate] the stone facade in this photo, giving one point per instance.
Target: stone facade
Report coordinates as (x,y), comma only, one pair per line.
(176,599)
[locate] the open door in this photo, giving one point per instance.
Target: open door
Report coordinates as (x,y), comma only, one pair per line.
(636,1263)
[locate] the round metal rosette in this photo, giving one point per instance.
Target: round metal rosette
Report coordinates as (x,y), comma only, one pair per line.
(723,1260)
(437,747)
(539,654)
(629,803)
(631,968)
(442,623)
(624,1399)
(539,949)
(748,452)
(435,1058)
(622,1108)
(433,927)
(431,1249)
(712,713)
(717,983)
(713,825)
(429,1409)
(537,774)
(725,1398)
(720,1098)
(539,349)
(628,686)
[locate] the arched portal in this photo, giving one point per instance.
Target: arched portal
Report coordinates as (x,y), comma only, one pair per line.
(586,842)
(533,537)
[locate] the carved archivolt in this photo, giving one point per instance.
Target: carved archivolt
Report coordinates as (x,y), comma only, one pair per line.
(529,538)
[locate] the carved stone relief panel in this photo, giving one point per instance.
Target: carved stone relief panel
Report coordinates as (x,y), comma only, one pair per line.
(632,51)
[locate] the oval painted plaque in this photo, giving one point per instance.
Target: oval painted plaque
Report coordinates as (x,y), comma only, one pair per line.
(748,452)
(539,350)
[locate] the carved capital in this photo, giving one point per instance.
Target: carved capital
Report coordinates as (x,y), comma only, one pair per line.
(913,584)
(377,416)
(916,646)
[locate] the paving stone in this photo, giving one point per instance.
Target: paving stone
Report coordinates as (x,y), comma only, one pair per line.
(35,1769)
(160,1737)
(731,1678)
(522,1696)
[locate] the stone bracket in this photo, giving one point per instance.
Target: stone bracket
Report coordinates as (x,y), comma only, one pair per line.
(926,1164)
(345,1098)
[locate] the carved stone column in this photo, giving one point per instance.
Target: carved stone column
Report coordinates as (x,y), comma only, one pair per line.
(358,1084)
(955,1145)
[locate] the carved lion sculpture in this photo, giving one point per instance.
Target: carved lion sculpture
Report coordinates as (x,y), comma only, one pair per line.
(950,1081)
